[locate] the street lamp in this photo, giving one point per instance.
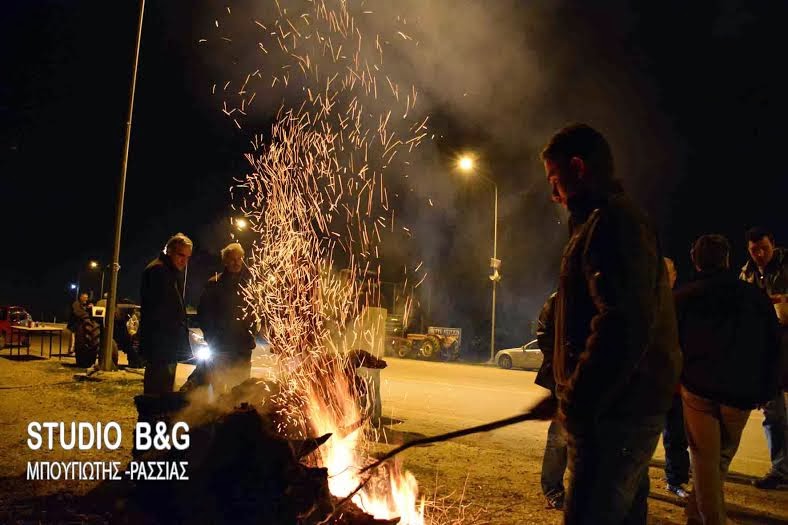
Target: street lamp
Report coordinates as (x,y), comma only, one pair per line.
(94,265)
(466,164)
(241,224)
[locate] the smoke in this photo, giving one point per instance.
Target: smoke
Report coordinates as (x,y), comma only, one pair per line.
(494,77)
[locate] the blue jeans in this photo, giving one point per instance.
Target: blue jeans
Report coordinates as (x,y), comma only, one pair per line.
(674,439)
(554,461)
(608,472)
(774,425)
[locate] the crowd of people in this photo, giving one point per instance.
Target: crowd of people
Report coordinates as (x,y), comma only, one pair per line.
(626,359)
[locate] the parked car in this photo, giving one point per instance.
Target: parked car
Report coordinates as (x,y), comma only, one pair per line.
(10,316)
(527,356)
(199,347)
(127,325)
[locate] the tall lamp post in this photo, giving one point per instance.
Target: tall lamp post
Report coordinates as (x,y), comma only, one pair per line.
(105,359)
(466,164)
(94,265)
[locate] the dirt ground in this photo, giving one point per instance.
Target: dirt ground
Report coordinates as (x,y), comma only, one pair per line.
(473,479)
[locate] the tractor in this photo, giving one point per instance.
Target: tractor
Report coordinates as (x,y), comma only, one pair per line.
(424,346)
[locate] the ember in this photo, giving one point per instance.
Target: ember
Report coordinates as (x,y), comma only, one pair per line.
(316,202)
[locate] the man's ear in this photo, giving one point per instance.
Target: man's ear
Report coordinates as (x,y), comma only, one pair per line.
(578,166)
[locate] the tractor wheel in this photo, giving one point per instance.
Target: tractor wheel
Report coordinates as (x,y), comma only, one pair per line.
(89,334)
(402,350)
(428,348)
(86,356)
(505,362)
(86,345)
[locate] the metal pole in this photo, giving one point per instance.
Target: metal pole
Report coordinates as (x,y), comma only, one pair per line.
(101,294)
(105,363)
(495,281)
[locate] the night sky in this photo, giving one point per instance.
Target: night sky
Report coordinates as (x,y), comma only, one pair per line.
(690,94)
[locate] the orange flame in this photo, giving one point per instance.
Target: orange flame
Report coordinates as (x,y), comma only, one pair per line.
(394,493)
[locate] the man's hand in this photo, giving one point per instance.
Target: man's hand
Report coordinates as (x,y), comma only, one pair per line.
(545,409)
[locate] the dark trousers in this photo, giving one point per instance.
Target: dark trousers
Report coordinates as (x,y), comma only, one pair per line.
(775,421)
(608,472)
(554,460)
(674,439)
(159,378)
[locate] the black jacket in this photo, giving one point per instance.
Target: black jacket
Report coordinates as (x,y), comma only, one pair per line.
(729,336)
(221,316)
(164,336)
(616,351)
(774,279)
(545,338)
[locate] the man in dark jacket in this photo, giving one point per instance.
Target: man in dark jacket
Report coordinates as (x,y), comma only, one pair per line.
(226,328)
(767,268)
(78,313)
(616,351)
(718,316)
(163,331)
(554,458)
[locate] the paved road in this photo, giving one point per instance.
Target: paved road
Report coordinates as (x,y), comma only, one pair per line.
(432,398)
(431,395)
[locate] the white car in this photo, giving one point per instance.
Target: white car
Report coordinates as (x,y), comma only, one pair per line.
(527,356)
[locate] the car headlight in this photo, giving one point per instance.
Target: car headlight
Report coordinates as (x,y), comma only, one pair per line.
(203,353)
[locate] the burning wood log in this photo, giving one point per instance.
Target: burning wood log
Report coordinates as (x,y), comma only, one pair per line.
(242,470)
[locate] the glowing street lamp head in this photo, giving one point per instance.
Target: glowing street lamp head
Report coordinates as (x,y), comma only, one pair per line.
(465,163)
(241,224)
(93,265)
(73,286)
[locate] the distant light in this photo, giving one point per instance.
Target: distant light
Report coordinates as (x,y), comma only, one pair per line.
(241,223)
(73,286)
(93,264)
(203,353)
(465,163)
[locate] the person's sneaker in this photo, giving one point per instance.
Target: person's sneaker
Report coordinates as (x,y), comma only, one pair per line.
(681,490)
(770,481)
(555,501)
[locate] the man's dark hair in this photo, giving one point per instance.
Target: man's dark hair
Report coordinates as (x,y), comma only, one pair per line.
(583,141)
(710,252)
(757,233)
